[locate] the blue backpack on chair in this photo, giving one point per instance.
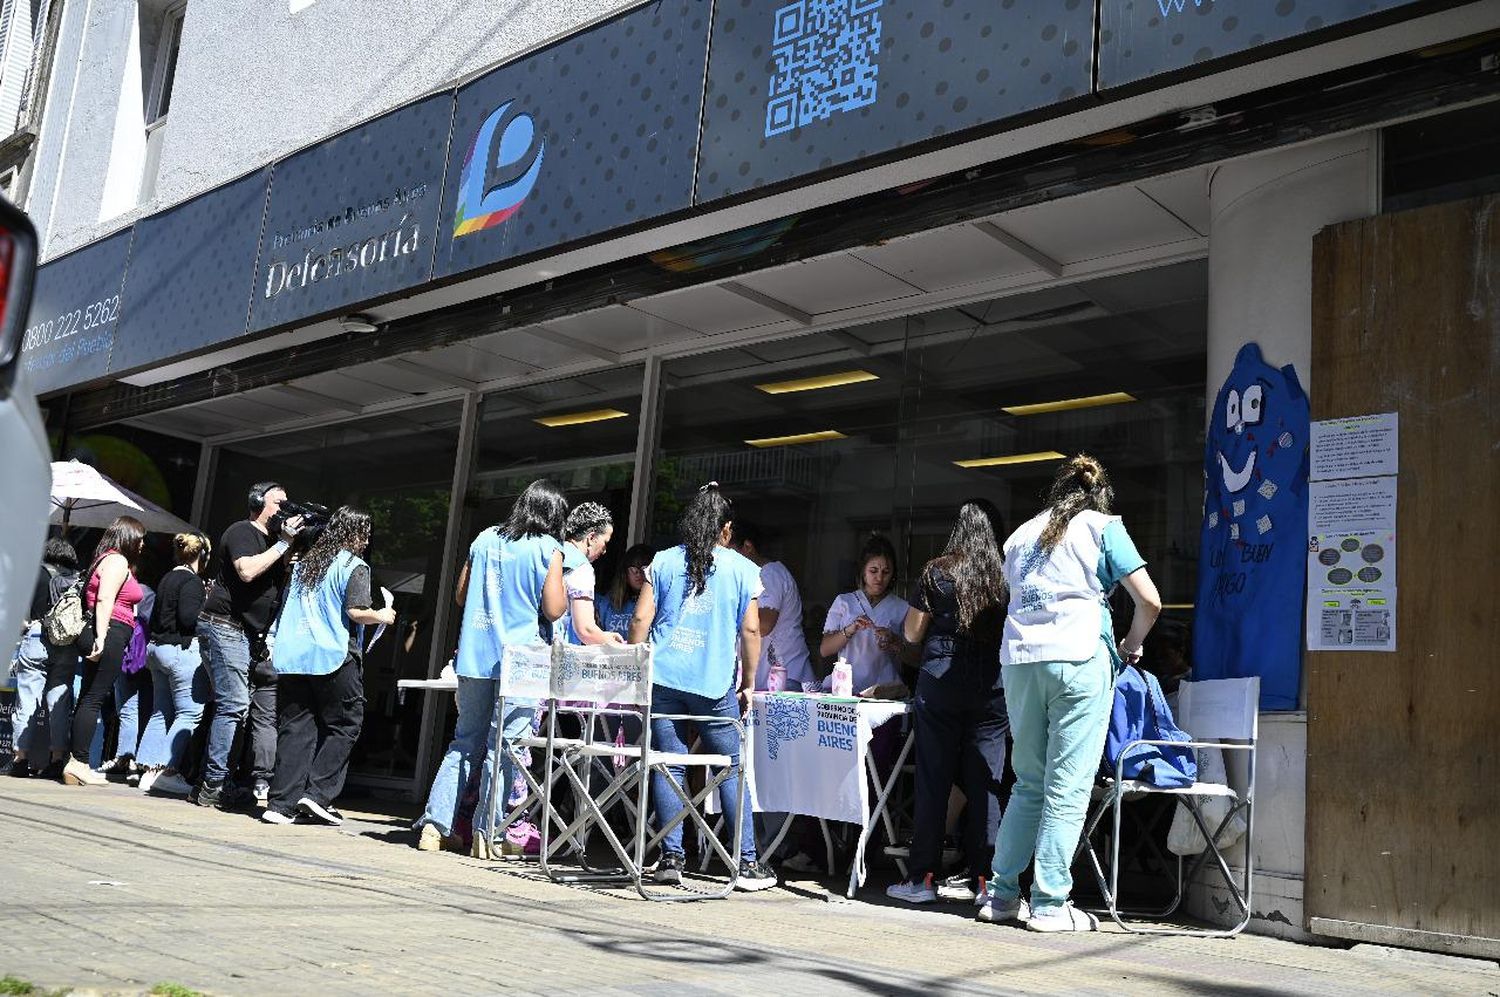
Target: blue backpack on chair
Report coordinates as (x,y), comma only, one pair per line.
(1140,712)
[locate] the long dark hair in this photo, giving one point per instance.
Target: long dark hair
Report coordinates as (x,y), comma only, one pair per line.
(127,535)
(1081,483)
(540,510)
(638,556)
(699,527)
(348,529)
(972,559)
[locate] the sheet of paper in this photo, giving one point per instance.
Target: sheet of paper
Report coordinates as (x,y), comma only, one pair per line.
(1351,565)
(389,600)
(1356,447)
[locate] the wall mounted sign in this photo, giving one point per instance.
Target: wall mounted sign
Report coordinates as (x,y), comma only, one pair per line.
(355,217)
(593,133)
(797,87)
(1141,38)
(189,280)
(75,308)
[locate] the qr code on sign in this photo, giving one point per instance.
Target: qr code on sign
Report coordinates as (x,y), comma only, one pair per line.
(824,55)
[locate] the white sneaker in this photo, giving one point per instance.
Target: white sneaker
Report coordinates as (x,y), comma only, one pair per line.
(959,889)
(320,813)
(801,862)
(913,893)
(1064,918)
(277,817)
(993,911)
(169,784)
(148,778)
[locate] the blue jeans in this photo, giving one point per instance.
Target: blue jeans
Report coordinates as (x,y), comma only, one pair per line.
(226,654)
(476,728)
(1059,713)
(40,719)
(180,690)
(718,739)
(131,691)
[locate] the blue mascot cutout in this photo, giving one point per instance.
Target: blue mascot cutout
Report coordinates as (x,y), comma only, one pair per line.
(1252,561)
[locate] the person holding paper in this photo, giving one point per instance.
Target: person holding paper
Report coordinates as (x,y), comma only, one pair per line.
(319,652)
(588,531)
(515,571)
(1059,660)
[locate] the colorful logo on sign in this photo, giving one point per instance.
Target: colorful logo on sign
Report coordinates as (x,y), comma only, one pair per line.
(500,170)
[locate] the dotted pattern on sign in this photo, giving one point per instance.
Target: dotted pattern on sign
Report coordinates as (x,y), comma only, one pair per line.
(189,280)
(378,189)
(1141,38)
(67,290)
(617,109)
(944,65)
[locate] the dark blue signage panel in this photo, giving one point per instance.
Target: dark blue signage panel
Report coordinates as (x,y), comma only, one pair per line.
(354,217)
(74,311)
(595,132)
(189,280)
(796,87)
(1141,38)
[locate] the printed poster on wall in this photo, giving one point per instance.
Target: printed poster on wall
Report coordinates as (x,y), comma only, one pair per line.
(1351,546)
(1251,566)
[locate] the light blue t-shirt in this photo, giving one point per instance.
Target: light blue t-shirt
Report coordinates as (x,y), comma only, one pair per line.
(504,603)
(615,619)
(695,637)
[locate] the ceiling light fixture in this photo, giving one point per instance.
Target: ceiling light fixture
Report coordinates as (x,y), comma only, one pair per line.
(814,383)
(580,418)
(1015,458)
(787,441)
(1068,404)
(358,323)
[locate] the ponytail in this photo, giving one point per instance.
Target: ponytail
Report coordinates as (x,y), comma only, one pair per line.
(1080,484)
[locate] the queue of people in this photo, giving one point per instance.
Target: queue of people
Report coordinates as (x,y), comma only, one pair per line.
(1004,643)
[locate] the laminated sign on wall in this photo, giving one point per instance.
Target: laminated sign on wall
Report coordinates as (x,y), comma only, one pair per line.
(1351,543)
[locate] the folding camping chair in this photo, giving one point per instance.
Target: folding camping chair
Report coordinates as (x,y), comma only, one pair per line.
(1221,713)
(616,680)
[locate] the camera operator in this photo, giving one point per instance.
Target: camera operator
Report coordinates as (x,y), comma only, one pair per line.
(232,628)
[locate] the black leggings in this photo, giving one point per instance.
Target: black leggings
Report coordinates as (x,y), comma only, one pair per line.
(98,683)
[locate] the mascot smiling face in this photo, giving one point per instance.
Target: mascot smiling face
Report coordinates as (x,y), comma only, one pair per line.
(1252,561)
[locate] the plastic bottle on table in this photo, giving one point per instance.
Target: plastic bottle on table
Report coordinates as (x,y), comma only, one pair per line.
(843,678)
(776,677)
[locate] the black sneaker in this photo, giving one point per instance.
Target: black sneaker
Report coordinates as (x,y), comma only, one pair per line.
(236,799)
(54,769)
(754,877)
(209,795)
(669,868)
(320,813)
(17,768)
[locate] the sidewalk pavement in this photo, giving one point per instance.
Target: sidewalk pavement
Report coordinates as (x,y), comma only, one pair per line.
(107,891)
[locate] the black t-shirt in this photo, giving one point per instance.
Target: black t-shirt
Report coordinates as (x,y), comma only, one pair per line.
(253,603)
(976,651)
(357,596)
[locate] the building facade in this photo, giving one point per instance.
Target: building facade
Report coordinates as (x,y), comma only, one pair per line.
(855,259)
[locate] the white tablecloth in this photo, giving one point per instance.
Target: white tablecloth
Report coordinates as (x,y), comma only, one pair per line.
(809,753)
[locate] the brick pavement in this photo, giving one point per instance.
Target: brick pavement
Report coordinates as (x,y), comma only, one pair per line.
(108,891)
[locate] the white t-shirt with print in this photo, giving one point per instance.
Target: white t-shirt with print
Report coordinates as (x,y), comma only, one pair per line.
(780,593)
(871,665)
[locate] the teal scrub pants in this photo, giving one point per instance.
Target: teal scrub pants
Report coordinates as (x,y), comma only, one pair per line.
(1059,714)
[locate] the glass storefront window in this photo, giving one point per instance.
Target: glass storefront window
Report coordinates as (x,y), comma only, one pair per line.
(399,468)
(888,427)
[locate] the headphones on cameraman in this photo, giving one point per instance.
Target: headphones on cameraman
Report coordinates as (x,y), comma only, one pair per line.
(258,493)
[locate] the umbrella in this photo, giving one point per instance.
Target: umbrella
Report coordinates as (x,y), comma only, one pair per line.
(83,497)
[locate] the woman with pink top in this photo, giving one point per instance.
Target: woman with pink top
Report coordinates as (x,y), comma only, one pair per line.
(109,597)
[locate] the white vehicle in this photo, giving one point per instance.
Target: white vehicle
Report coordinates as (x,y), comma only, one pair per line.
(25,457)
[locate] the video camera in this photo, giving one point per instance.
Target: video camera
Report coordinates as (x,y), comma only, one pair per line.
(314,521)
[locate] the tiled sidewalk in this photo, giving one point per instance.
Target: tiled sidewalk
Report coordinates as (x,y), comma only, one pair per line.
(106,891)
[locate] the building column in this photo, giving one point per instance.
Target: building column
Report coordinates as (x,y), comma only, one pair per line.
(1265,211)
